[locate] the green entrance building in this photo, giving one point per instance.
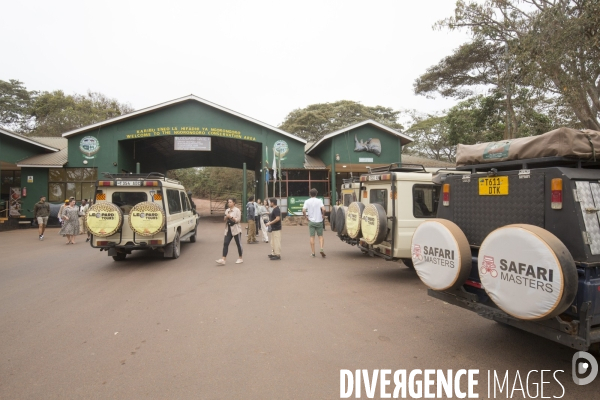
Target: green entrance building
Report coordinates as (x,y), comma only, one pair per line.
(190,132)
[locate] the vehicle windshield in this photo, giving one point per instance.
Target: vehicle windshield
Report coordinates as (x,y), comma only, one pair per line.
(126,200)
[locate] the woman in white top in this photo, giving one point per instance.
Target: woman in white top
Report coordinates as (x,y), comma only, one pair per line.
(264,218)
(232,219)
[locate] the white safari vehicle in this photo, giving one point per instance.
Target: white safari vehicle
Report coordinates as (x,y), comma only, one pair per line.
(389,203)
(140,212)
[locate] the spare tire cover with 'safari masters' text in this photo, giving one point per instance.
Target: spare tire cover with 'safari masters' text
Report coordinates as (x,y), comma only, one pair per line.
(146,218)
(527,272)
(441,254)
(104,219)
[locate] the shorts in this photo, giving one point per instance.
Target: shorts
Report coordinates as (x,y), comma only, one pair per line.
(315,227)
(42,220)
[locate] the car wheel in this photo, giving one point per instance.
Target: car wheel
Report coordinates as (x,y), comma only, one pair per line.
(193,237)
(408,262)
(176,246)
(120,257)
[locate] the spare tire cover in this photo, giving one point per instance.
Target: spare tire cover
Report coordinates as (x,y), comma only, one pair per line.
(353,216)
(527,271)
(332,218)
(441,254)
(146,218)
(373,224)
(104,219)
(340,220)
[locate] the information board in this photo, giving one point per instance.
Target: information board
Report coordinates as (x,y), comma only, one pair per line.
(192,143)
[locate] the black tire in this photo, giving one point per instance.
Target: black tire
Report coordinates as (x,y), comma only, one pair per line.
(193,237)
(332,216)
(340,221)
(176,246)
(408,262)
(120,257)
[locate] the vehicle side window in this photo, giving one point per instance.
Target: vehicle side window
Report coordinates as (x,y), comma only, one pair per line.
(425,200)
(185,201)
(379,196)
(174,201)
(126,200)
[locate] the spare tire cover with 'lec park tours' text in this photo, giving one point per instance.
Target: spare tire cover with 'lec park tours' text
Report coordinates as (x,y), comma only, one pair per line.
(527,271)
(146,218)
(441,254)
(104,219)
(353,216)
(373,224)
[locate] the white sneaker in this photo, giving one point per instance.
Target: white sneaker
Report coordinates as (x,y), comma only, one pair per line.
(221,261)
(239,261)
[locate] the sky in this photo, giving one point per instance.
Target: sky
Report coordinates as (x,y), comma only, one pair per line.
(259,58)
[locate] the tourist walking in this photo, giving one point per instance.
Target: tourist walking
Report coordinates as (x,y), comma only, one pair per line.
(314,210)
(70,217)
(60,211)
(256,217)
(41,212)
(83,208)
(263,218)
(275,224)
(250,213)
(233,230)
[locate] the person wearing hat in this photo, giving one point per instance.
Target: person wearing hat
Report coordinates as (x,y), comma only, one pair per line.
(41,212)
(60,211)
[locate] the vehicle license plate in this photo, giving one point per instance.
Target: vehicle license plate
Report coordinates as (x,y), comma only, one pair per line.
(129,183)
(493,186)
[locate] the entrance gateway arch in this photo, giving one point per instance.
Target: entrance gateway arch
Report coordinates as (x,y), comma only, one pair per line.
(183,133)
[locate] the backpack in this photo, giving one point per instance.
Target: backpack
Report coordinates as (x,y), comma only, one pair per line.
(250,210)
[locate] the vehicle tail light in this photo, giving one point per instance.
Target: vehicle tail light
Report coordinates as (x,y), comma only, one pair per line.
(364,194)
(155,242)
(557,193)
(388,252)
(100,196)
(473,283)
(158,197)
(446,194)
(102,243)
(106,183)
(150,183)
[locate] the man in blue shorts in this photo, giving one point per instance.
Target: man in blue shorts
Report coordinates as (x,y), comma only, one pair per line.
(316,211)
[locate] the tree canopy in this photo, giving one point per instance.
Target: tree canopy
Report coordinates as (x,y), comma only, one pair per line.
(53,113)
(539,57)
(316,120)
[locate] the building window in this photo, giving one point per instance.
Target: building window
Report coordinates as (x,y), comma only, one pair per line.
(9,179)
(64,183)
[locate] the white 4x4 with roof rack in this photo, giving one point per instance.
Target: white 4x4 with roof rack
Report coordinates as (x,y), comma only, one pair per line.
(382,209)
(141,212)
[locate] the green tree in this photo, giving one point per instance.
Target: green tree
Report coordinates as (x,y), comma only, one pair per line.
(15,104)
(203,182)
(431,138)
(316,120)
(56,113)
(550,48)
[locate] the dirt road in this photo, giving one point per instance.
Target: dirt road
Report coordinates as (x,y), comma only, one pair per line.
(76,324)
